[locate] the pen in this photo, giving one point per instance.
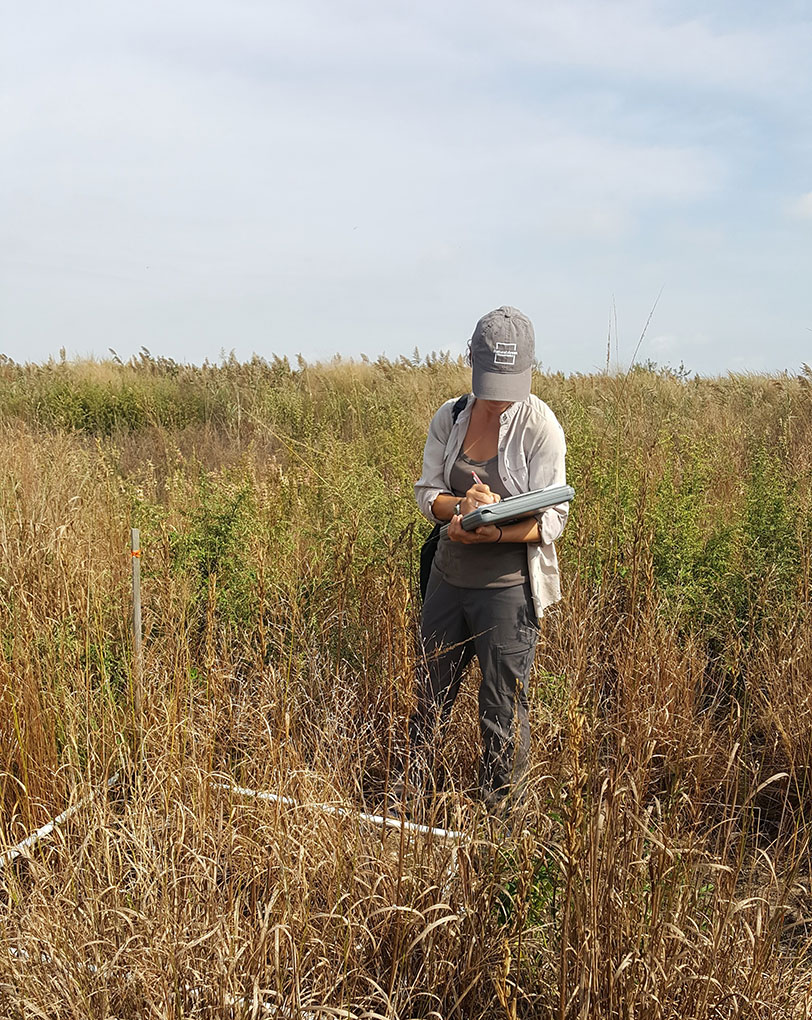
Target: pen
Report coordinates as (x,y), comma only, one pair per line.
(478,481)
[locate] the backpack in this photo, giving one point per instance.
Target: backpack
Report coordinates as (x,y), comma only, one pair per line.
(429,547)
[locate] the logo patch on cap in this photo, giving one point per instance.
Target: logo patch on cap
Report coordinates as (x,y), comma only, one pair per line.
(505,353)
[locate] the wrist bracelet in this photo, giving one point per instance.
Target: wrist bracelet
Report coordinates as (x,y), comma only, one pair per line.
(500,535)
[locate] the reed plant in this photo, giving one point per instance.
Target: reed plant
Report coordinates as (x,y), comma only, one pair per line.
(660,866)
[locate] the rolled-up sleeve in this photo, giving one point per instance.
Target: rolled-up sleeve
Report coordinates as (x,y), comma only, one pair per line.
(547,466)
(431,482)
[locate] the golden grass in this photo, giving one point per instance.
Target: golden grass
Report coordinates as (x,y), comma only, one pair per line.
(661,865)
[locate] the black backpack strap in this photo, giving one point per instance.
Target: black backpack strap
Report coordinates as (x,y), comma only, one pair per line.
(459,407)
(429,547)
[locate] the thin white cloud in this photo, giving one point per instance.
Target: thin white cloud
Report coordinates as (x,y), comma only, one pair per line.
(802,207)
(639,40)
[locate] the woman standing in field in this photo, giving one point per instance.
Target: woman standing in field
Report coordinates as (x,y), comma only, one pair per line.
(488,588)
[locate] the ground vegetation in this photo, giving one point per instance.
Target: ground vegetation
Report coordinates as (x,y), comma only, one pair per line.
(661,866)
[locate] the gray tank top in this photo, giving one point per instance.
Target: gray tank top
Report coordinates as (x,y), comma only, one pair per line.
(490,565)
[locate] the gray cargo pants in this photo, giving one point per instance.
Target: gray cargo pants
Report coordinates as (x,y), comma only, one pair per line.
(499,626)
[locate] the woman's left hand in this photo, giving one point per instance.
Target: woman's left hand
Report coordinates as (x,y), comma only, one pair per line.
(485,533)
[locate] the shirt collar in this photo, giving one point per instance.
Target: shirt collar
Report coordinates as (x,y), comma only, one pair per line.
(507,416)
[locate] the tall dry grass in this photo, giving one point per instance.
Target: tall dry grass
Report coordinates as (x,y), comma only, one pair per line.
(660,867)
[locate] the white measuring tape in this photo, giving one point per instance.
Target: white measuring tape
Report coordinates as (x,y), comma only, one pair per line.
(17,851)
(386,821)
(343,812)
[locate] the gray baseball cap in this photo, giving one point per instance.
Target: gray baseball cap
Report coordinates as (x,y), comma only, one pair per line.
(502,350)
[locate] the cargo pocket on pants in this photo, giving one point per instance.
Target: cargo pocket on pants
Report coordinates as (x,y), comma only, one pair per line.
(513,664)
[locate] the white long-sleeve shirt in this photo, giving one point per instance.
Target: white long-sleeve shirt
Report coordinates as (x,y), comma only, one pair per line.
(531,455)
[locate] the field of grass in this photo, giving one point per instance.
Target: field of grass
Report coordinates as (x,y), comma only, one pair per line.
(661,866)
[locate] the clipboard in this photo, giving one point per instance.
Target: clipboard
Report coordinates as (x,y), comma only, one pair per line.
(514,508)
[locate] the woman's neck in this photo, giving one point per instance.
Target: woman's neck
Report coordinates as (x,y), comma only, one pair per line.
(482,436)
(490,410)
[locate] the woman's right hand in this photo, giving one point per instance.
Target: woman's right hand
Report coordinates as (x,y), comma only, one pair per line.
(478,495)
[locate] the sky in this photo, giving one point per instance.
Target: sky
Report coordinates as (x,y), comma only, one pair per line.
(320,178)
